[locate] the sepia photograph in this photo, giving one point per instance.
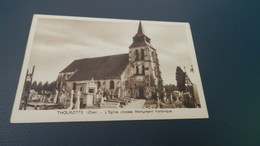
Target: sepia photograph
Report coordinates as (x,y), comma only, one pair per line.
(89,67)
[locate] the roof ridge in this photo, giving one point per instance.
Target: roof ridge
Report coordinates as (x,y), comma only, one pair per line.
(102,56)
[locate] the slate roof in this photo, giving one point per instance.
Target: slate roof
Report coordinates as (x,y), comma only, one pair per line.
(99,68)
(140,44)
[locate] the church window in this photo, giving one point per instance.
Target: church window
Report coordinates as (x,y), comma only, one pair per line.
(142,54)
(143,70)
(136,55)
(140,68)
(112,85)
(74,86)
(137,70)
(156,71)
(91,90)
(153,56)
(98,84)
(59,85)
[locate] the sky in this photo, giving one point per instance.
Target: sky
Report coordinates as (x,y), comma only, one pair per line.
(58,41)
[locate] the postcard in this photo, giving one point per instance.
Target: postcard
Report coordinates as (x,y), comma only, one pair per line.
(99,69)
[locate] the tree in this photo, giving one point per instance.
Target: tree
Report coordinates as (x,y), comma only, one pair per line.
(39,87)
(45,86)
(169,88)
(34,85)
(180,78)
(52,86)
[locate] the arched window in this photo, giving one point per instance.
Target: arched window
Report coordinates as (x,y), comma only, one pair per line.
(59,85)
(136,55)
(143,70)
(137,70)
(74,86)
(98,84)
(153,56)
(156,71)
(112,85)
(142,54)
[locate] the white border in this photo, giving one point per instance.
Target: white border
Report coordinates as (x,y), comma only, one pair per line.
(40,116)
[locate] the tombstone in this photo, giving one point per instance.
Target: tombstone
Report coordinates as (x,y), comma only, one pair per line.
(171,97)
(61,98)
(56,96)
(158,102)
(196,95)
(148,93)
(120,92)
(71,99)
(112,93)
(44,98)
(77,106)
(90,99)
(101,100)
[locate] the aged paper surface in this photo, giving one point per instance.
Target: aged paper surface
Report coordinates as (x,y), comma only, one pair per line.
(96,69)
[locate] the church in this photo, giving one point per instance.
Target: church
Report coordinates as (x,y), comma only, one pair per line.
(133,75)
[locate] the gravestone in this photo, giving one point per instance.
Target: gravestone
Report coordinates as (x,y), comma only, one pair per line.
(56,96)
(78,100)
(71,99)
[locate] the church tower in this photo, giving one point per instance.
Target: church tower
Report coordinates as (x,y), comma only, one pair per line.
(146,68)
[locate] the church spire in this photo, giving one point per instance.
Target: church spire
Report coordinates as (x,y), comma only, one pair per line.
(140,29)
(140,39)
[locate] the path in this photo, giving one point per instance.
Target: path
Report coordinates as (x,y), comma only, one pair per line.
(137,104)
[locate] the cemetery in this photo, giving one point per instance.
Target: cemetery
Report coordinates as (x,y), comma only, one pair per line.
(131,80)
